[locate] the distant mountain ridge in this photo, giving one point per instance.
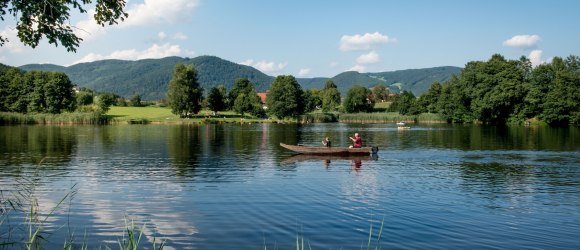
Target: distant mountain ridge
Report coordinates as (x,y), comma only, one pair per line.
(149,78)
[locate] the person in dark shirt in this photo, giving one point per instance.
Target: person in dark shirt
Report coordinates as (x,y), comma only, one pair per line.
(326,142)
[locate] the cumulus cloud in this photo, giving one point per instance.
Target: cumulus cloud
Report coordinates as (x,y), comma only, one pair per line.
(159,12)
(358,68)
(147,13)
(368,58)
(536,57)
(264,66)
(303,72)
(161,35)
(522,41)
(13,45)
(155,51)
(88,29)
(179,36)
(364,42)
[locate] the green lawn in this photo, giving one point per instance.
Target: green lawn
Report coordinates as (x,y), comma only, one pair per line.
(163,115)
(149,113)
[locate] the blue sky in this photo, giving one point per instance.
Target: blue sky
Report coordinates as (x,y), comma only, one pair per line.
(321,38)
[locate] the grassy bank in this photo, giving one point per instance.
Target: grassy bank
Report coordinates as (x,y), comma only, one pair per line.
(152,114)
(64,118)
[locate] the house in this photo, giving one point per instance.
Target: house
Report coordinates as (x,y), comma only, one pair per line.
(263,96)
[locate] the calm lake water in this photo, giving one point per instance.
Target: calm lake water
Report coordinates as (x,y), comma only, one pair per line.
(233,187)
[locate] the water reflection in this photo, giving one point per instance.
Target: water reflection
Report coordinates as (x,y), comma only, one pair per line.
(46,145)
(222,186)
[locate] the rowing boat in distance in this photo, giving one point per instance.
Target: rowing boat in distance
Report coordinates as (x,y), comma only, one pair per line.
(329,150)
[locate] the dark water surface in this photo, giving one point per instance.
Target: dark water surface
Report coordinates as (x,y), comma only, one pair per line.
(233,186)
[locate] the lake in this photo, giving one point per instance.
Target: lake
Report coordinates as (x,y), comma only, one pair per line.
(232,186)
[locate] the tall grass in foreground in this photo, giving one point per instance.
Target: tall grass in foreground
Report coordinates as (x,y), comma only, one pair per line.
(63,118)
(34,223)
(377,241)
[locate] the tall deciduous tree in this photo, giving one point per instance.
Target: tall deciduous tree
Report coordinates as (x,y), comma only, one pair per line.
(216,99)
(241,85)
(357,100)
(404,103)
(184,93)
(380,93)
(36,19)
(285,98)
(243,98)
(330,96)
(312,100)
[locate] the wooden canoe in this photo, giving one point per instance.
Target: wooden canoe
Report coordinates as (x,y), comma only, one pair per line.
(328,150)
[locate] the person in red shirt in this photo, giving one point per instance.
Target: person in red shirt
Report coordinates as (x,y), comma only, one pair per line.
(356,141)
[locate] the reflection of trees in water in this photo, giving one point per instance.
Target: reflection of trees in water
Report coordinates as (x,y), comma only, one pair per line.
(184,147)
(36,145)
(482,137)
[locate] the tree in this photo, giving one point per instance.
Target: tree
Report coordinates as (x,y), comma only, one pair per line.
(104,101)
(330,96)
(380,93)
(216,98)
(285,98)
(427,102)
(241,85)
(52,19)
(561,104)
(135,101)
(312,100)
(184,93)
(403,103)
(357,100)
(84,98)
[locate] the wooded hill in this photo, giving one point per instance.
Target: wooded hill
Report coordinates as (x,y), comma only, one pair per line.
(148,78)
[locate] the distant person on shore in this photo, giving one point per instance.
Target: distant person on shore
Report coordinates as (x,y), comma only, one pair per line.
(326,142)
(356,141)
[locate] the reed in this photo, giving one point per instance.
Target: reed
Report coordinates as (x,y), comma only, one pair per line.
(318,118)
(430,118)
(7,118)
(36,236)
(389,117)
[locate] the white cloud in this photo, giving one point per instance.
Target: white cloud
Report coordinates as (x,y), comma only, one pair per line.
(536,57)
(264,66)
(368,58)
(147,13)
(88,29)
(303,72)
(522,41)
(363,42)
(358,68)
(179,36)
(159,12)
(155,51)
(161,35)
(13,45)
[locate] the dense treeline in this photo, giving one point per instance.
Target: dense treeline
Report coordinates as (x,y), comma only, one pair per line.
(501,91)
(35,92)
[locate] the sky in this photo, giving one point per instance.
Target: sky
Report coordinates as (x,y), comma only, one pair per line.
(319,38)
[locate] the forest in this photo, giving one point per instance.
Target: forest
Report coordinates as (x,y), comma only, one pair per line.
(500,91)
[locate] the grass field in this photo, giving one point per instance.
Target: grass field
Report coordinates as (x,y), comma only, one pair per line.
(152,114)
